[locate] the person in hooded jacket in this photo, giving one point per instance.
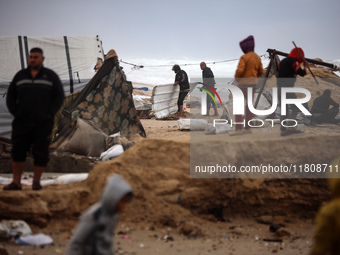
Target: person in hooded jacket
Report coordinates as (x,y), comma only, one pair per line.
(248,70)
(94,234)
(288,70)
(327,229)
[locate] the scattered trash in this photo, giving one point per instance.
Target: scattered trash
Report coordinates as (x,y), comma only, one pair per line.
(38,239)
(168,238)
(70,178)
(141,245)
(10,228)
(192,124)
(62,179)
(4,180)
(142,88)
(113,152)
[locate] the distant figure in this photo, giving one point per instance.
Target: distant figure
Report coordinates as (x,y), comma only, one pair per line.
(33,98)
(288,70)
(182,80)
(327,229)
(94,234)
(208,78)
(320,109)
(248,70)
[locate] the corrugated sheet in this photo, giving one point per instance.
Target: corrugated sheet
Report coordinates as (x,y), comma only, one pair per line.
(164,99)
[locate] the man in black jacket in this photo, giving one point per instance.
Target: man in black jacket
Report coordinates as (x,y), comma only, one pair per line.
(33,98)
(208,78)
(182,80)
(320,110)
(289,69)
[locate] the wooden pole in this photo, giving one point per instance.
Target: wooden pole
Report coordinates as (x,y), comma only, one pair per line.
(264,80)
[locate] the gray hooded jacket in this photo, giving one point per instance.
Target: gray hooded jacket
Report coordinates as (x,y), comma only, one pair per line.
(94,234)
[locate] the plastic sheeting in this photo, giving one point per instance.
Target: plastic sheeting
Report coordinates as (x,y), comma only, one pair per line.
(164,99)
(83,53)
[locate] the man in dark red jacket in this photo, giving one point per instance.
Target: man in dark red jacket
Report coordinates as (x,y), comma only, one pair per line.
(33,98)
(289,69)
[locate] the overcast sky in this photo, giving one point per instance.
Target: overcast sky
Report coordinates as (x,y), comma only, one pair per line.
(195,30)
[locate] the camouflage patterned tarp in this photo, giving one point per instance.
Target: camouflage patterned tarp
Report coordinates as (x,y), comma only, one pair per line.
(105,102)
(109,104)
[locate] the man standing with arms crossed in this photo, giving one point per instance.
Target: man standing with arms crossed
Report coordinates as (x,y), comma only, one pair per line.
(33,98)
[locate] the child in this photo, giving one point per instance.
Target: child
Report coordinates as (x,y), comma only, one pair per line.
(94,234)
(248,70)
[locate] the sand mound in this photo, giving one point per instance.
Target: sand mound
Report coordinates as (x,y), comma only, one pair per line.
(158,171)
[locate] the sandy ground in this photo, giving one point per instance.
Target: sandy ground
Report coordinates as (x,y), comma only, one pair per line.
(240,236)
(242,233)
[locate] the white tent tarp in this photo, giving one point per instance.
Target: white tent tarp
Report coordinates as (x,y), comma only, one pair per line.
(68,56)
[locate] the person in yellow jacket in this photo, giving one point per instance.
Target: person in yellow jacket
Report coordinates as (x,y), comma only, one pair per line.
(327,229)
(248,70)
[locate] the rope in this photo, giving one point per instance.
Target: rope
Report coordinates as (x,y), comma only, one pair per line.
(137,67)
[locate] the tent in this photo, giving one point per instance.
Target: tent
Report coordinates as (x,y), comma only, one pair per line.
(71,57)
(103,108)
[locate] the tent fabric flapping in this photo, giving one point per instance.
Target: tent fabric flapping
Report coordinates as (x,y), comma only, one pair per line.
(106,102)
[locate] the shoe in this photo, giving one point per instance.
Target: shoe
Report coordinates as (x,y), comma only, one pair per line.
(12,186)
(36,186)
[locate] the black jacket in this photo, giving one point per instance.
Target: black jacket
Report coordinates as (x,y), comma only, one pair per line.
(35,101)
(182,77)
(288,70)
(208,77)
